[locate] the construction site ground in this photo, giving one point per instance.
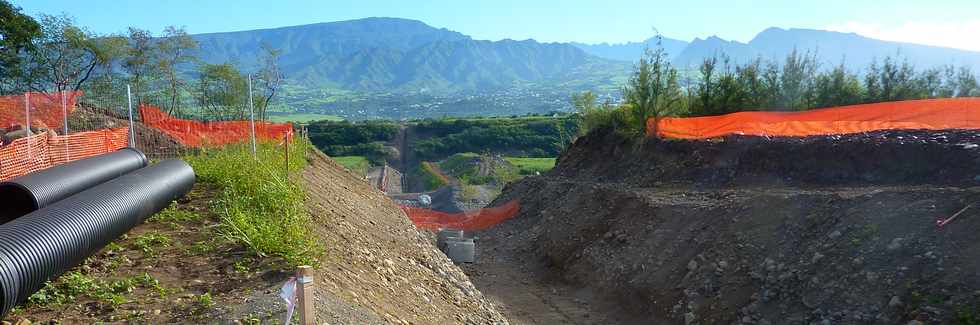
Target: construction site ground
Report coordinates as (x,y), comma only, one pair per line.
(377,269)
(743,230)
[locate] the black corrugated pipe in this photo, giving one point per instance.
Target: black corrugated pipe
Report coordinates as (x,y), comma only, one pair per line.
(45,243)
(25,194)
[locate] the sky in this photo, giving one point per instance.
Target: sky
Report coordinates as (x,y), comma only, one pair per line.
(951,23)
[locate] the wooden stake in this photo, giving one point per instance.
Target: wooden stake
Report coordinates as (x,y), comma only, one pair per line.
(305,287)
(286,141)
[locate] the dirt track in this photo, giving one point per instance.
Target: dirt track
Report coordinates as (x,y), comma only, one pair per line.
(750,231)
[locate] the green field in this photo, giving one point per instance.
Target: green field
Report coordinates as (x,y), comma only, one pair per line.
(357,164)
(528,166)
(303,117)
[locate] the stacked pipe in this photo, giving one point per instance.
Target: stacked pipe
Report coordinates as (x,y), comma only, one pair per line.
(43,244)
(33,191)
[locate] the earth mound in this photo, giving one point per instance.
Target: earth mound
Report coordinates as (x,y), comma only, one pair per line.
(818,230)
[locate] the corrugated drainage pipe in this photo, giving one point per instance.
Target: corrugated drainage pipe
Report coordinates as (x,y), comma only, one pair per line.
(44,244)
(25,194)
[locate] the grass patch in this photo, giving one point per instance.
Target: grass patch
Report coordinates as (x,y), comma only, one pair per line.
(357,164)
(75,284)
(431,179)
(528,166)
(150,240)
(172,214)
(259,206)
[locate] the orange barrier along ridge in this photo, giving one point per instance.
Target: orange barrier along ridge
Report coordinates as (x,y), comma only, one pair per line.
(41,151)
(929,114)
(47,109)
(198,134)
(475,220)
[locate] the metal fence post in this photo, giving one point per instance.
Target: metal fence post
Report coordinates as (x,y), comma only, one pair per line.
(64,112)
(27,115)
(251,113)
(132,127)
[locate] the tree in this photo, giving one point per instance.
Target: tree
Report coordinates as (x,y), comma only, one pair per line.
(64,57)
(797,79)
(652,91)
(138,60)
(270,77)
(221,91)
(174,50)
(836,88)
(966,83)
(17,34)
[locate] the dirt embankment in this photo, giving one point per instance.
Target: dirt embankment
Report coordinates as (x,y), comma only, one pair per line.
(378,264)
(824,230)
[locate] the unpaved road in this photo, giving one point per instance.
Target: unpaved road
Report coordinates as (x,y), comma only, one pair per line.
(528,297)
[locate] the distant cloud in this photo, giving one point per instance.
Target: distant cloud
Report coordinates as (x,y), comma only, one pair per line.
(962,35)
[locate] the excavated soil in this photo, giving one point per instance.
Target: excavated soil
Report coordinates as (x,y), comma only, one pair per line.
(819,230)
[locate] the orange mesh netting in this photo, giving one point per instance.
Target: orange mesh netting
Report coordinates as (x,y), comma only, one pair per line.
(44,150)
(930,114)
(470,221)
(47,109)
(198,134)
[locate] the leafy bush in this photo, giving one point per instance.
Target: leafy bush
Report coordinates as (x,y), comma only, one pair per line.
(259,205)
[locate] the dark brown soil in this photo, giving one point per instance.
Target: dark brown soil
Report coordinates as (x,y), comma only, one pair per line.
(886,157)
(822,230)
(154,143)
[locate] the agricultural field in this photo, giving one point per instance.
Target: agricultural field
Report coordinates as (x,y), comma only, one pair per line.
(529,166)
(357,164)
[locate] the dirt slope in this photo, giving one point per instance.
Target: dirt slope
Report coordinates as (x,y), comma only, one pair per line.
(829,230)
(377,264)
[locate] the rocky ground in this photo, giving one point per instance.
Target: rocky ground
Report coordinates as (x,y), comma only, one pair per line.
(821,230)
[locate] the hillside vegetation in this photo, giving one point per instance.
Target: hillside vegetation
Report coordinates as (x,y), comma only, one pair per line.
(526,137)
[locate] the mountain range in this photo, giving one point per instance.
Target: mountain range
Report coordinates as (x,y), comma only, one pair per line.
(391,54)
(394,55)
(831,48)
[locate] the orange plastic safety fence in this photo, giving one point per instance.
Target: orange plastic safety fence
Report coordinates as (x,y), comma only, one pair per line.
(41,151)
(930,114)
(476,220)
(198,134)
(47,110)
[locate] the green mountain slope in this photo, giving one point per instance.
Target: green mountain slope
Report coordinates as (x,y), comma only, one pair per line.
(400,55)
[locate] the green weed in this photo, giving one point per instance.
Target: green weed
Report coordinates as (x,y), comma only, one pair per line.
(259,205)
(147,242)
(173,214)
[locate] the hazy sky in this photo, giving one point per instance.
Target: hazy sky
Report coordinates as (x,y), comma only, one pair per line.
(953,23)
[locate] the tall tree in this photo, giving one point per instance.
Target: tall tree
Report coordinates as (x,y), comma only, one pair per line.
(17,34)
(64,57)
(174,50)
(652,91)
(221,91)
(270,77)
(798,72)
(139,58)
(966,83)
